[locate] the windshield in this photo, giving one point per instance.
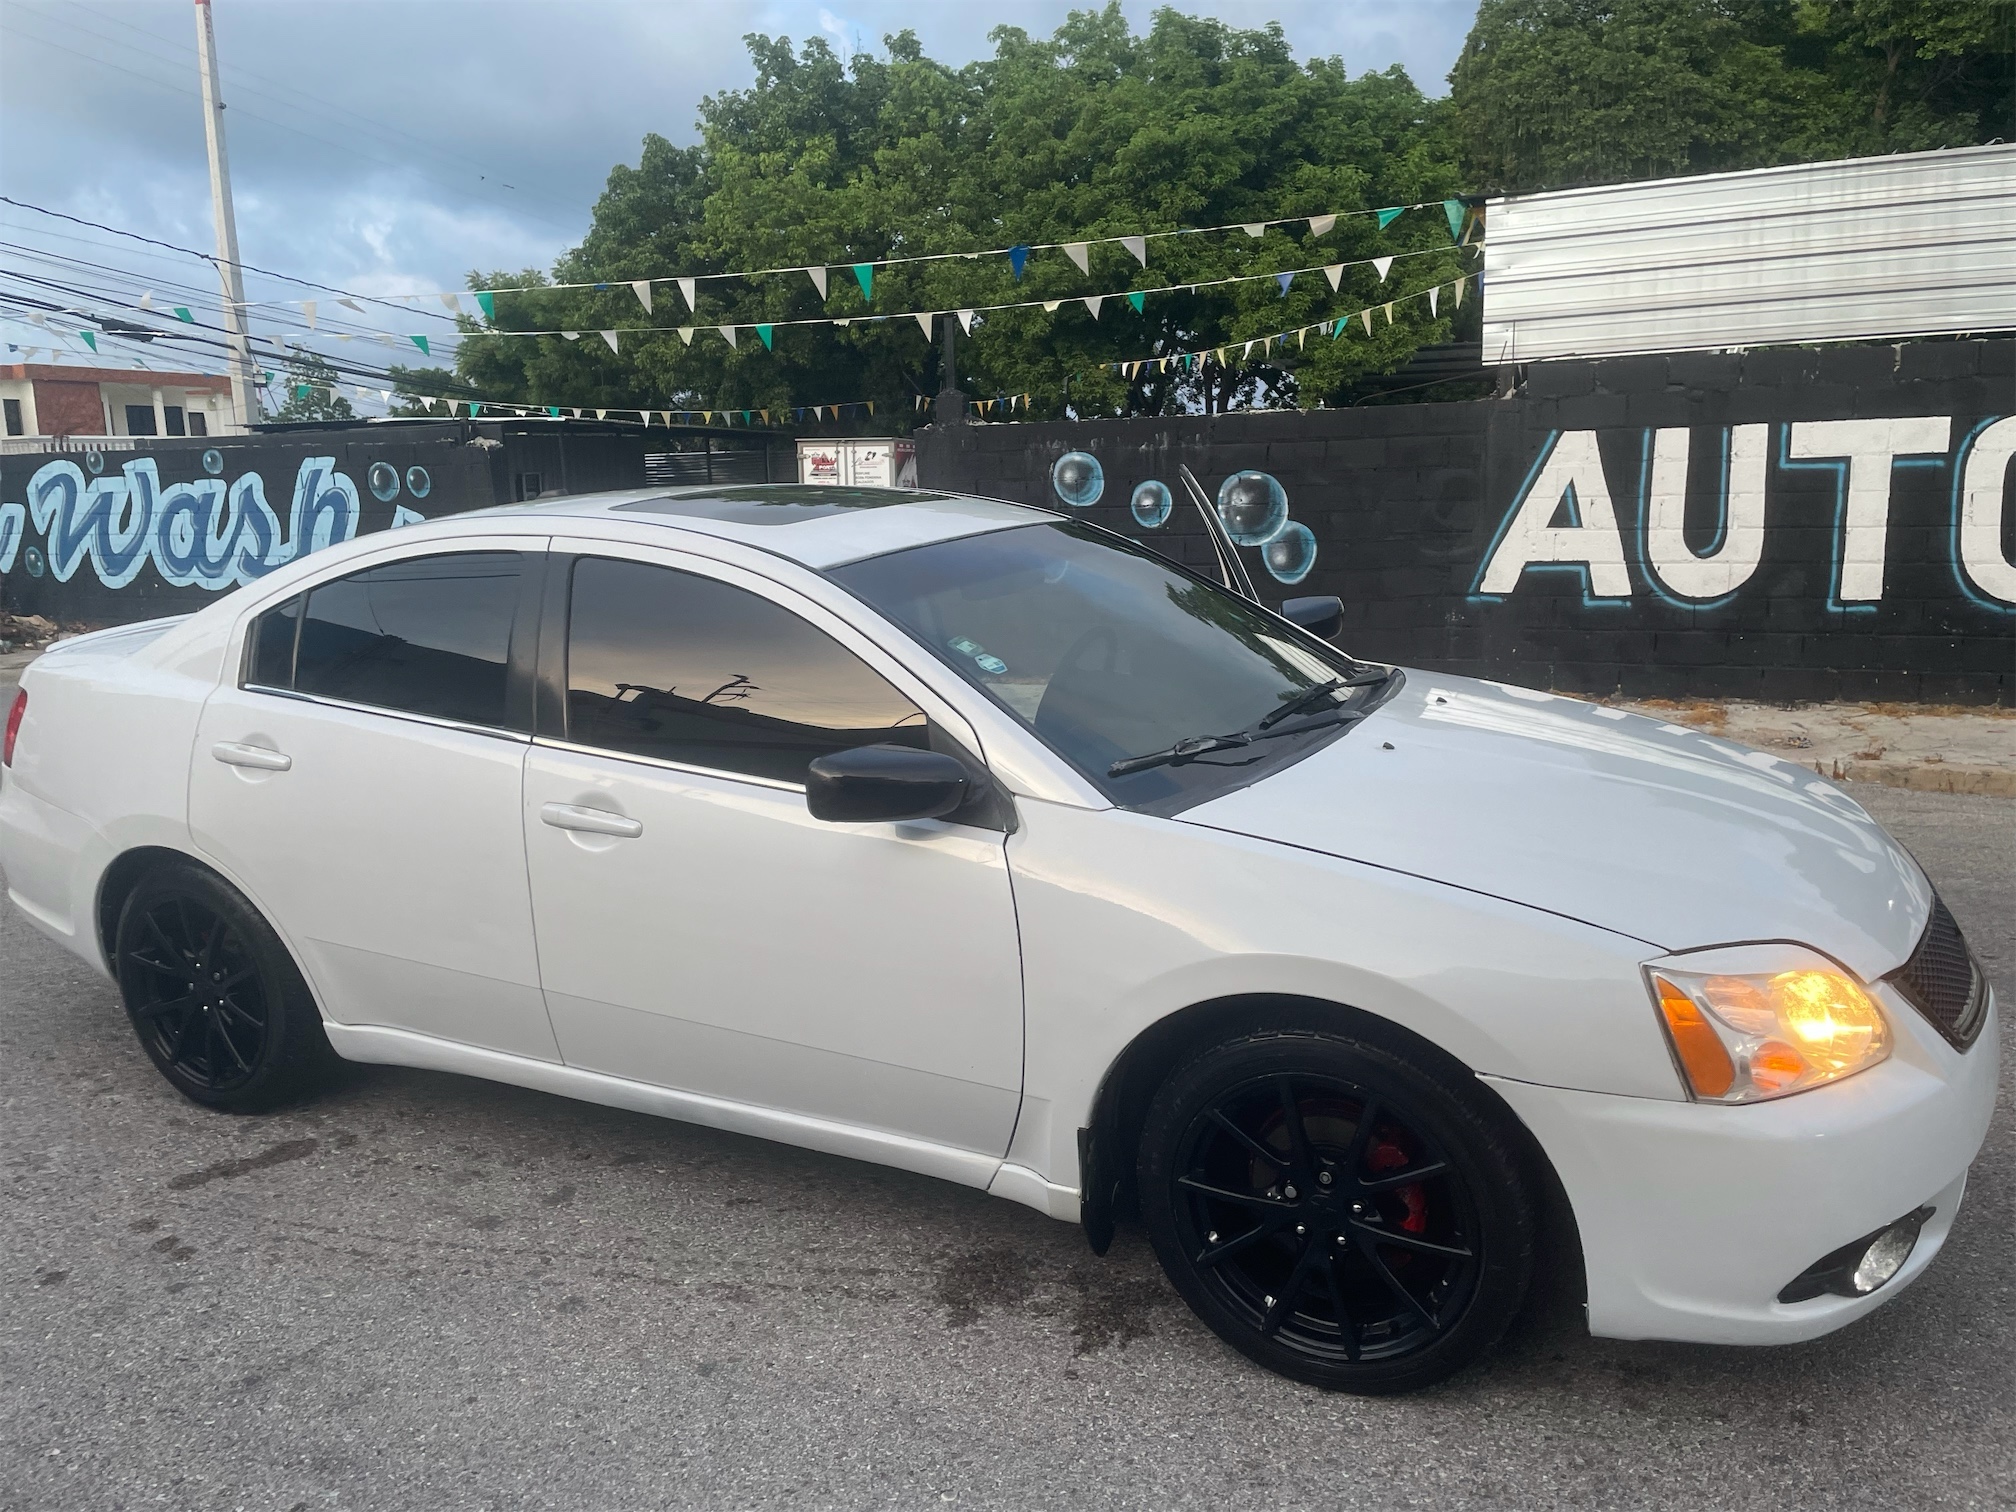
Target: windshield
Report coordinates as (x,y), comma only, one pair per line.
(1107,651)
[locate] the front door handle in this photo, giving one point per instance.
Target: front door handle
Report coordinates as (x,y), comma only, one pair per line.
(231,753)
(593,821)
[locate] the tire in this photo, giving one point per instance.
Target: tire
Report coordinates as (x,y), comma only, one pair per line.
(1300,1239)
(218,1003)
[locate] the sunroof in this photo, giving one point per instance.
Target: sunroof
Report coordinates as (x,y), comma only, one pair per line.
(775,504)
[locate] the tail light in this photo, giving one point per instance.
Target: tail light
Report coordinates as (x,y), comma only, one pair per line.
(13,726)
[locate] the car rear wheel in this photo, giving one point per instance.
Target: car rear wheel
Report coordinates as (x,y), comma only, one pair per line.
(1336,1212)
(217,1001)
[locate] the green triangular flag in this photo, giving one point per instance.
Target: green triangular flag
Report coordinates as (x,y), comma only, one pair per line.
(89,339)
(182,313)
(1137,300)
(1387,217)
(489,304)
(300,391)
(475,409)
(864,274)
(421,342)
(1454,209)
(764,331)
(553,410)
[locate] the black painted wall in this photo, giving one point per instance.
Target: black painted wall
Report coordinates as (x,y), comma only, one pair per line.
(1408,504)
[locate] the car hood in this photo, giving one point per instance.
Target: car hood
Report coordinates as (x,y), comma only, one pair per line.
(1648,829)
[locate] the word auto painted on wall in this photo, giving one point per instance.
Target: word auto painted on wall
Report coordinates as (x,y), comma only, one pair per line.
(1565,515)
(205,534)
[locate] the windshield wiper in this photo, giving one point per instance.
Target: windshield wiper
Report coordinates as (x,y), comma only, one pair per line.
(1264,728)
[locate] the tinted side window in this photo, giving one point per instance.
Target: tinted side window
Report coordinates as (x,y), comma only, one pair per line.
(272,660)
(684,668)
(431,635)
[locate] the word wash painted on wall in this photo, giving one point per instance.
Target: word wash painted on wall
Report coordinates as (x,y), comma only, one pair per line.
(1565,514)
(204,534)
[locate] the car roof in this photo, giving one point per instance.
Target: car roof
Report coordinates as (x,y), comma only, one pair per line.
(818,525)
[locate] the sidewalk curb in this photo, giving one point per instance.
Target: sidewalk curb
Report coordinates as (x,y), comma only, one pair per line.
(1926,777)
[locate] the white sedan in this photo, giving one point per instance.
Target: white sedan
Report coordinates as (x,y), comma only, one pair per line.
(970,839)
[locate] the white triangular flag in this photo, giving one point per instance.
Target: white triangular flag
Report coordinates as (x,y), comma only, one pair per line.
(385,396)
(1389,312)
(1434,300)
(38,318)
(1459,290)
(727,333)
(1319,225)
(1366,316)
(147,300)
(1334,272)
(610,337)
(383,337)
(570,335)
(818,277)
(343,335)
(1382,266)
(452,302)
(1138,245)
(1092,303)
(641,287)
(1301,336)
(351,304)
(1081,254)
(601,414)
(308,310)
(689,287)
(1050,306)
(686,334)
(1256,230)
(966,321)
(924,323)
(1248,352)
(643,417)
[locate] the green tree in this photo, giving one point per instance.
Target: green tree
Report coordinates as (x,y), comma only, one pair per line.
(308,391)
(1559,93)
(1094,131)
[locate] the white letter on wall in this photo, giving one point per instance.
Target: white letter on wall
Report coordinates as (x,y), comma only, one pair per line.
(1984,499)
(1742,547)
(1593,542)
(1870,448)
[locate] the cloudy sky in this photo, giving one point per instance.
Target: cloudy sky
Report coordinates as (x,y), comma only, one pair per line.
(386,146)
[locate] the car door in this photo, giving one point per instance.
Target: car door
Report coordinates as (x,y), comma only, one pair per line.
(361,779)
(697,928)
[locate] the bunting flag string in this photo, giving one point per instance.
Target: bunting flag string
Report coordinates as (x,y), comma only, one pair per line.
(1093,304)
(1135,244)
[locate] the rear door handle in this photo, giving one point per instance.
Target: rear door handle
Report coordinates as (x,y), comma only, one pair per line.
(593,821)
(233,754)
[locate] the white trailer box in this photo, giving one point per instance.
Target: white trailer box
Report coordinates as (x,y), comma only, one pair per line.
(858,462)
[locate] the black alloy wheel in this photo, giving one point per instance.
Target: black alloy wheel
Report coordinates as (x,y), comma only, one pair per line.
(1335,1212)
(214,996)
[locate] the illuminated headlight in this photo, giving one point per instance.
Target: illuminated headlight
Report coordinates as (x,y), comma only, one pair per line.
(1743,1036)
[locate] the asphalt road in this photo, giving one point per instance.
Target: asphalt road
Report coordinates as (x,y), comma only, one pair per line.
(429,1292)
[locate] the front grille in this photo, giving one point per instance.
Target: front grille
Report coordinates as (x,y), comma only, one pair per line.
(1943,981)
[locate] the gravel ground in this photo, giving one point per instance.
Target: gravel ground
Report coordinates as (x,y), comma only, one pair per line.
(429,1292)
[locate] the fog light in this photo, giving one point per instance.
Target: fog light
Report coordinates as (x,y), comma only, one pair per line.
(1857,1269)
(1884,1257)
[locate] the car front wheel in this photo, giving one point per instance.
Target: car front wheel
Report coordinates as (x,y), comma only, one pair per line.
(1336,1212)
(217,1001)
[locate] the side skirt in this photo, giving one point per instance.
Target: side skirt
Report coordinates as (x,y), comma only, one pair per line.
(401,1047)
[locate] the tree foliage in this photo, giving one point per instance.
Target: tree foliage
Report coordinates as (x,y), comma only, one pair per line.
(1558,93)
(1093,131)
(308,391)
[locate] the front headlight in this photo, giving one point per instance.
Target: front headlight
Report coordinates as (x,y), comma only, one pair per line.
(1745,1035)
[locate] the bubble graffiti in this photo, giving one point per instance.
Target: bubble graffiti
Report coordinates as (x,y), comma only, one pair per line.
(1291,554)
(1253,506)
(384,480)
(1078,479)
(417,482)
(1151,504)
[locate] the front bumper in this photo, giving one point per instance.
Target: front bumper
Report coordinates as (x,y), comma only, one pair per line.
(1693,1216)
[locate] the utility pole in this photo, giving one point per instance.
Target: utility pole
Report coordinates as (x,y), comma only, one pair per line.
(244,382)
(951,408)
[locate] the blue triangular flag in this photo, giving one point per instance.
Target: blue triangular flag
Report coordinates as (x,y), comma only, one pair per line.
(1284,279)
(1018,256)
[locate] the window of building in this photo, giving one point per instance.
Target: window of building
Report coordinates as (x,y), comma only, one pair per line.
(427,635)
(199,423)
(526,485)
(688,669)
(172,413)
(140,420)
(16,426)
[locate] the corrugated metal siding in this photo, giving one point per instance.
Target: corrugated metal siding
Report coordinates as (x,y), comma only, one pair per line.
(1911,245)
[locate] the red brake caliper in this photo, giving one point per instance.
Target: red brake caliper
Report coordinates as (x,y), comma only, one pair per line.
(1388,1156)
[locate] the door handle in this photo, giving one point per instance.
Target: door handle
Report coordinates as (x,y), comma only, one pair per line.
(231,753)
(593,821)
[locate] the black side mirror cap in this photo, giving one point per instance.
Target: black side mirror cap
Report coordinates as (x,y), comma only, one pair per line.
(884,784)
(1322,615)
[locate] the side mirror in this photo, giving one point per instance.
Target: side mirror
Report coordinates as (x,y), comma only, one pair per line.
(1321,616)
(884,784)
